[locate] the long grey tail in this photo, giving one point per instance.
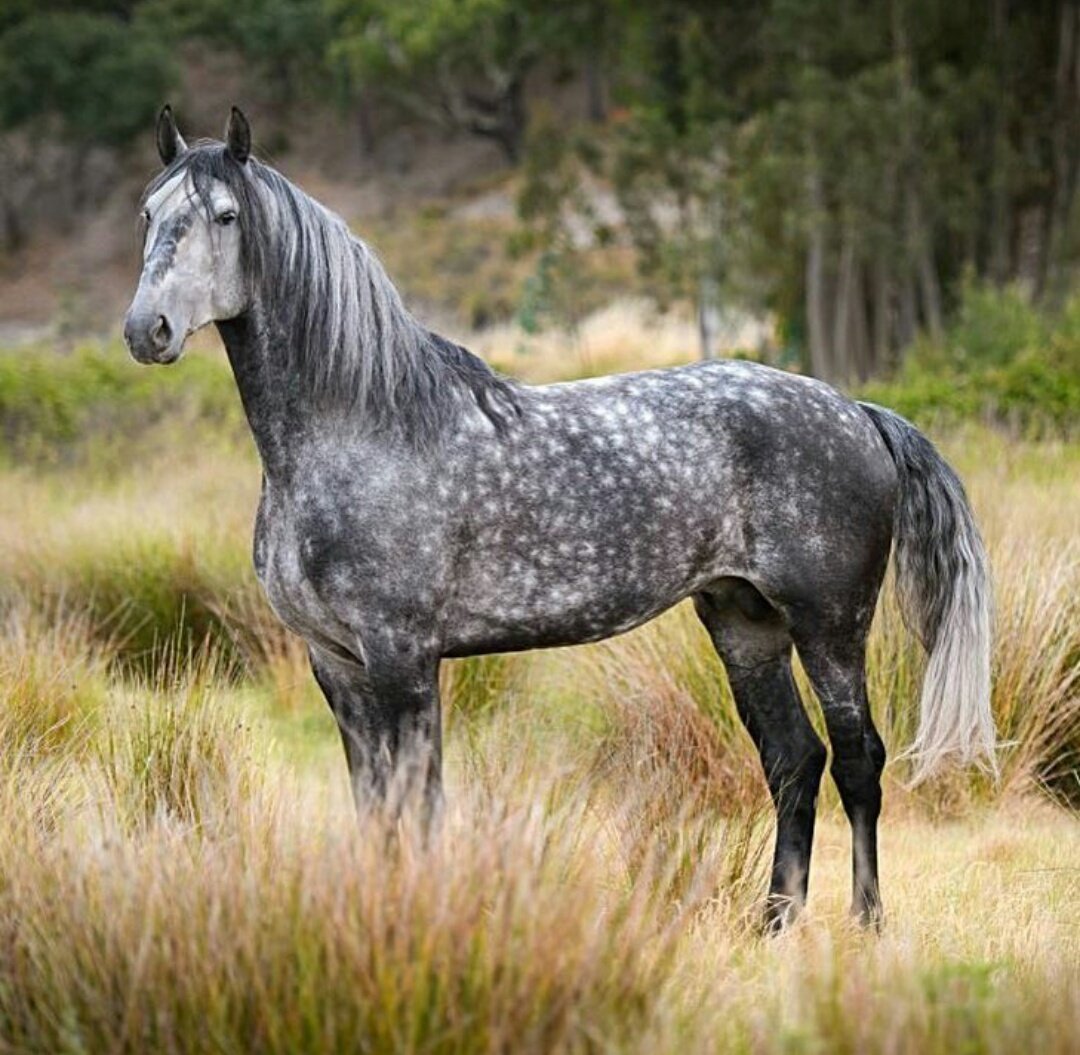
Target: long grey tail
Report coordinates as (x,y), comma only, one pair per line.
(945,595)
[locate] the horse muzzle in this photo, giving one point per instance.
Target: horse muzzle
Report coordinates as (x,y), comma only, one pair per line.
(152,338)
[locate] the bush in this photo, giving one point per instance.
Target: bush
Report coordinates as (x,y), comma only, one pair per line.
(94,401)
(101,77)
(992,326)
(1001,362)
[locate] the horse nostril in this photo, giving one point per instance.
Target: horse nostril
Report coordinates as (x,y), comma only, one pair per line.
(161,333)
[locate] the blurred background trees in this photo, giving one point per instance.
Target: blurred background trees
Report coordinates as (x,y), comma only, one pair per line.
(848,166)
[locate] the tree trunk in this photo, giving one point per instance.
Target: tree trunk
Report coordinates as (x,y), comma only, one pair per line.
(498,112)
(817,310)
(918,240)
(708,314)
(512,120)
(365,126)
(502,119)
(850,342)
(1000,222)
(881,356)
(595,90)
(1065,148)
(10,230)
(841,342)
(908,317)
(1031,250)
(929,286)
(863,356)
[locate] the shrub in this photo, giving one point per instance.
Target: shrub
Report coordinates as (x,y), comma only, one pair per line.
(1001,362)
(94,403)
(103,78)
(992,326)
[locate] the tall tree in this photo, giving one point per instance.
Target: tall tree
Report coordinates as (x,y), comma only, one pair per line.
(72,85)
(458,63)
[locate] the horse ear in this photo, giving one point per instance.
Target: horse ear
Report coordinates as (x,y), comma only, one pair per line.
(170,143)
(238,136)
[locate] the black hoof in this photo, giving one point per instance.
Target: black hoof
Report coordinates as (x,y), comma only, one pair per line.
(868,915)
(780,912)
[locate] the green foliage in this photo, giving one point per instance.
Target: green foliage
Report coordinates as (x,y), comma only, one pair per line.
(51,405)
(461,63)
(991,327)
(842,165)
(669,166)
(287,40)
(549,190)
(421,30)
(102,78)
(1002,361)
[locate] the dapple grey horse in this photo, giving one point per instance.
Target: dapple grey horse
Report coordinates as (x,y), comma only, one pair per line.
(415,505)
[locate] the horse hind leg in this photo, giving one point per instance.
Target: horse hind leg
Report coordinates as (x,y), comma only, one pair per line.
(754,644)
(835,663)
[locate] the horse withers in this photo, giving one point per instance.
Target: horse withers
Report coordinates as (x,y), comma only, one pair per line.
(416,506)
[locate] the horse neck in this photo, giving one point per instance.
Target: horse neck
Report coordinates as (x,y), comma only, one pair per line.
(273,402)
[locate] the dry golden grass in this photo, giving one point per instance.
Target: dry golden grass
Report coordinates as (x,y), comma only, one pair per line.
(181,870)
(173,883)
(625,335)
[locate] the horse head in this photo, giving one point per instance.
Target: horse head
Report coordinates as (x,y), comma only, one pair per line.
(193,254)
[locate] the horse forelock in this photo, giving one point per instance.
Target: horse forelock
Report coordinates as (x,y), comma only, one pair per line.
(348,336)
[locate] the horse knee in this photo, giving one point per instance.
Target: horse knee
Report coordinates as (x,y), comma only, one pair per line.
(794,773)
(875,749)
(805,762)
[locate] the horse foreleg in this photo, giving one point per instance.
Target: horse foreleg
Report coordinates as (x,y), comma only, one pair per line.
(388,717)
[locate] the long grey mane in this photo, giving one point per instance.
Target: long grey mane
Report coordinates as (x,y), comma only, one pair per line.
(348,335)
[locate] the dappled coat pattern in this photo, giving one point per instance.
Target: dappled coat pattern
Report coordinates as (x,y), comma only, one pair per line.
(416,506)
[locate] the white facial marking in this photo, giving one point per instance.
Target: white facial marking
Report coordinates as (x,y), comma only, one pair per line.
(192,273)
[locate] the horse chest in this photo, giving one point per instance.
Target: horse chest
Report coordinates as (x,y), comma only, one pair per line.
(279,556)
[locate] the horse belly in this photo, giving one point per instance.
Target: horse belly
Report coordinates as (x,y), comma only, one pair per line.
(515,606)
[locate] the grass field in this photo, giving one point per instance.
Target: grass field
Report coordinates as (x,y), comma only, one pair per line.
(181,871)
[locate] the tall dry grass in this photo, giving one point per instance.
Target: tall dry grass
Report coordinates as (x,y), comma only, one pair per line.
(174,888)
(181,870)
(169,882)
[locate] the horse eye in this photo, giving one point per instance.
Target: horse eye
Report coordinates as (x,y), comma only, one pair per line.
(226,218)
(146,216)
